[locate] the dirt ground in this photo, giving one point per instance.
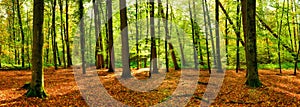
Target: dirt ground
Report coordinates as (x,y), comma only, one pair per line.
(277,90)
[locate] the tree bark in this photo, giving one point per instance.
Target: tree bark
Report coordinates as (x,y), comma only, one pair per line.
(69,59)
(110,37)
(193,36)
(125,46)
(238,24)
(54,35)
(206,36)
(82,34)
(153,58)
(37,80)
(22,34)
(137,35)
(211,34)
(251,57)
(62,33)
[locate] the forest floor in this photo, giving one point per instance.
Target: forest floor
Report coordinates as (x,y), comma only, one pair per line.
(277,90)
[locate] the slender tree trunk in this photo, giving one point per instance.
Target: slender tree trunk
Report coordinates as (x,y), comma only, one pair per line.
(137,35)
(69,59)
(219,64)
(298,51)
(62,33)
(58,57)
(82,34)
(251,57)
(197,33)
(100,37)
(206,36)
(54,35)
(296,60)
(125,46)
(28,40)
(279,40)
(48,46)
(110,36)
(14,32)
(226,41)
(153,58)
(288,22)
(22,34)
(238,24)
(294,27)
(211,34)
(193,36)
(37,80)
(99,57)
(167,36)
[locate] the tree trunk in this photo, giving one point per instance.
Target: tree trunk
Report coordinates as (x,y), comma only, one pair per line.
(206,36)
(279,39)
(37,81)
(125,46)
(288,23)
(153,65)
(197,33)
(251,57)
(54,35)
(193,36)
(226,41)
(211,34)
(137,35)
(69,59)
(58,58)
(22,34)
(82,34)
(111,67)
(238,24)
(218,56)
(167,36)
(62,33)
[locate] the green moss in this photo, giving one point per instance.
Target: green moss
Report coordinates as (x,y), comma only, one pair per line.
(36,92)
(26,86)
(253,83)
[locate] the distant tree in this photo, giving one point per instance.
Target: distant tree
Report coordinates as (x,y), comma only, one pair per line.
(36,88)
(251,52)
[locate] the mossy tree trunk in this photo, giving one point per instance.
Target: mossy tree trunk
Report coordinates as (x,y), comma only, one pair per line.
(37,81)
(251,52)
